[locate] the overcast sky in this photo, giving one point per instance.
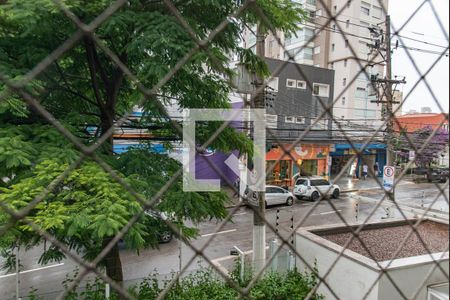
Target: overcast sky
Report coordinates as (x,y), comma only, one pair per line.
(423,27)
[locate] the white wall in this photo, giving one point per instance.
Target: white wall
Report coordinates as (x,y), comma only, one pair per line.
(409,279)
(348,279)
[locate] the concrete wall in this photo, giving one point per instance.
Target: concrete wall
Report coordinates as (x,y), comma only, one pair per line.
(353,275)
(410,278)
(349,279)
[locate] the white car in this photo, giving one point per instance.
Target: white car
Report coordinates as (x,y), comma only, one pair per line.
(274,195)
(315,187)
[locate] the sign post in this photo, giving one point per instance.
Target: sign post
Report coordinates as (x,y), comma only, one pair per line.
(412,155)
(388,178)
(388,184)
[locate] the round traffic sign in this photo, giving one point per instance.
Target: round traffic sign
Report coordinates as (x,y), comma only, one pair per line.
(389,171)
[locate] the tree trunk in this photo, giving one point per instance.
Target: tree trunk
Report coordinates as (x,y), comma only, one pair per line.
(107,122)
(113,263)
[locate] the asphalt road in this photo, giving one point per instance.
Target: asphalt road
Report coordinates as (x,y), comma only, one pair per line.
(47,279)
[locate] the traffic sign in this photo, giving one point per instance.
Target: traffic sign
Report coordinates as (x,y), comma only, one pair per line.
(388,178)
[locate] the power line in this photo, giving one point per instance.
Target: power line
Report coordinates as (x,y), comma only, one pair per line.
(420,41)
(423,50)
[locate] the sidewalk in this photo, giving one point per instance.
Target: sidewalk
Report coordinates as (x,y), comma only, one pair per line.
(348,184)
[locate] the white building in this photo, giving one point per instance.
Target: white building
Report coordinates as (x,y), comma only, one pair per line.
(323,45)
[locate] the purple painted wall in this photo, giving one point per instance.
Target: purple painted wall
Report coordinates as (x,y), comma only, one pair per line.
(203,170)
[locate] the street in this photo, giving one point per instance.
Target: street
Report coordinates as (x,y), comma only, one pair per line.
(413,199)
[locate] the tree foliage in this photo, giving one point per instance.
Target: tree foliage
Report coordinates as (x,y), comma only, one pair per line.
(436,144)
(84,88)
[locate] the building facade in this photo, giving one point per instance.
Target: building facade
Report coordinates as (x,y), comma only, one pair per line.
(346,46)
(299,126)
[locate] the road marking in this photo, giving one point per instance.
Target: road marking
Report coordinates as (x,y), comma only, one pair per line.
(240,214)
(32,270)
(220,232)
(330,212)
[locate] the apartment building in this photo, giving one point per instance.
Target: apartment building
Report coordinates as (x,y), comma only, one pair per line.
(346,46)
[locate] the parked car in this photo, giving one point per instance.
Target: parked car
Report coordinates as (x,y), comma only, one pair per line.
(438,174)
(313,187)
(274,195)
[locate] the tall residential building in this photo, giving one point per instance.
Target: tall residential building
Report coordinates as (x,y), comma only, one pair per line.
(360,22)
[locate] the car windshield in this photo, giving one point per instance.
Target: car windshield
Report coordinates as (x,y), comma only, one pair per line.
(302,182)
(319,182)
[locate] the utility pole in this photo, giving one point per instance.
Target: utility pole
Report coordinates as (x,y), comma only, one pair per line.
(259,225)
(386,98)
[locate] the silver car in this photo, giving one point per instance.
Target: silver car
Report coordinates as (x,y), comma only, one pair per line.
(315,187)
(274,195)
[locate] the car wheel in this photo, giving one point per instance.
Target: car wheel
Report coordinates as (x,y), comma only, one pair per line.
(290,201)
(336,194)
(315,196)
(266,205)
(165,237)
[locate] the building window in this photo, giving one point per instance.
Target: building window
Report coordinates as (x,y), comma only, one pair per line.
(344,82)
(321,90)
(335,9)
(308,53)
(300,120)
(363,76)
(317,50)
(365,8)
(271,121)
(343,100)
(363,48)
(301,84)
(377,12)
(346,43)
(347,23)
(311,2)
(273,83)
(332,66)
(289,120)
(361,93)
(364,28)
(291,83)
(333,47)
(345,63)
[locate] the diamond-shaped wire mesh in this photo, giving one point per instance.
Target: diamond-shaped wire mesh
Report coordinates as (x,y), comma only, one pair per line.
(201,44)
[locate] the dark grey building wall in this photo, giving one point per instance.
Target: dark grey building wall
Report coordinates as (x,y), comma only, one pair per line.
(297,102)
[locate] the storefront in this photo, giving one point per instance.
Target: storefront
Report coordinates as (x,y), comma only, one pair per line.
(344,153)
(303,160)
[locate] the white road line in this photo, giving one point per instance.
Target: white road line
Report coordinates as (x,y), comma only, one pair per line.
(32,270)
(330,212)
(240,214)
(220,232)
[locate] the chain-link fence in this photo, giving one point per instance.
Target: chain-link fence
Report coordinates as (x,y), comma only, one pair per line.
(98,37)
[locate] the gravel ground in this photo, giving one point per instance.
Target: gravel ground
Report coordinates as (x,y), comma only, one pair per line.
(384,242)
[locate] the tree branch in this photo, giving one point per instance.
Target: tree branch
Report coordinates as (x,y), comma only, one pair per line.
(93,72)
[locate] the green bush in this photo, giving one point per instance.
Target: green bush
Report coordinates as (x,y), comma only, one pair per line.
(207,285)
